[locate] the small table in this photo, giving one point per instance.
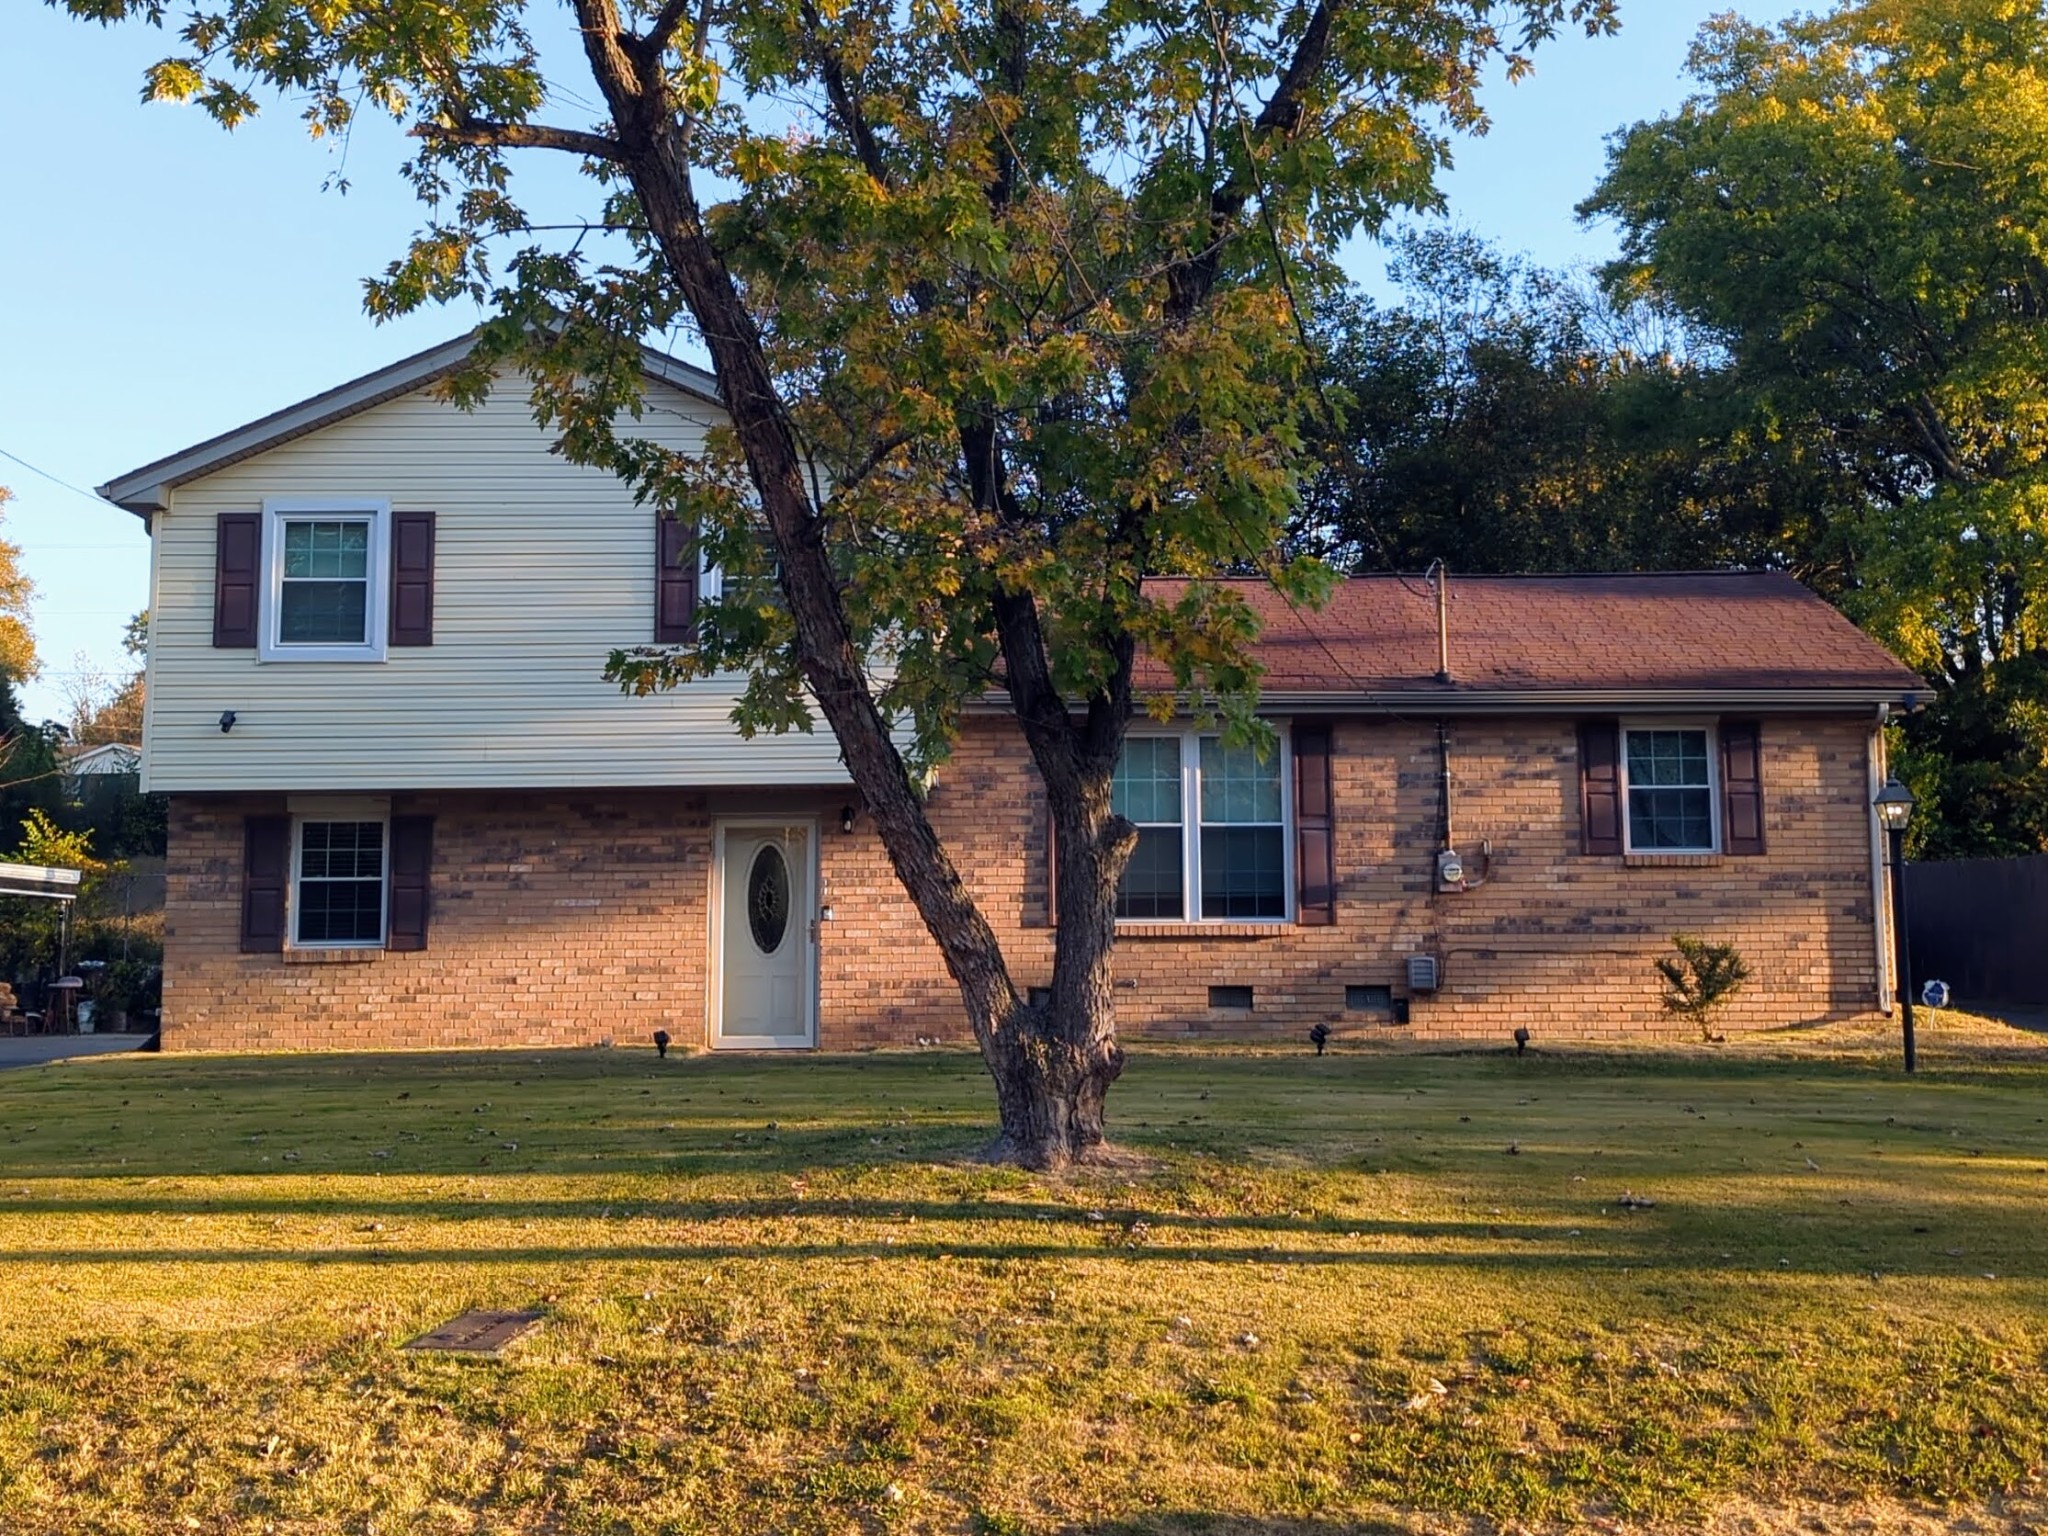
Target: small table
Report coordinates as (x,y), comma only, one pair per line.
(60,1014)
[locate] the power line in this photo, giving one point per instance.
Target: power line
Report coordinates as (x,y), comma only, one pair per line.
(53,479)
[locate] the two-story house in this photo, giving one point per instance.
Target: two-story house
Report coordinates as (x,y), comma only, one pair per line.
(408,810)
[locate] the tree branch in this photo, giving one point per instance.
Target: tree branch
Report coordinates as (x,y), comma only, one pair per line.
(845,104)
(655,41)
(1189,284)
(493,135)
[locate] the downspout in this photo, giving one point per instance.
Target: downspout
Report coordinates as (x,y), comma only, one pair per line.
(1880,873)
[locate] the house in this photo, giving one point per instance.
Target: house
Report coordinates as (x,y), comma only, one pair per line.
(407,810)
(113,759)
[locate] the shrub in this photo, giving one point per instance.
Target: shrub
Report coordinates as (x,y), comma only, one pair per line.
(1700,979)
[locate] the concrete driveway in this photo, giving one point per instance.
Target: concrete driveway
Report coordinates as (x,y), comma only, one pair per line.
(35,1050)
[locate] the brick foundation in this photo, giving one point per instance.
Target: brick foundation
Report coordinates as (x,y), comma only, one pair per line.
(565,918)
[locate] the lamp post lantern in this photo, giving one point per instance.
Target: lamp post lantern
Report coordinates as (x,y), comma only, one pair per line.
(1894,806)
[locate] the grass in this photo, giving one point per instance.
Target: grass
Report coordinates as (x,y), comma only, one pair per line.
(782,1297)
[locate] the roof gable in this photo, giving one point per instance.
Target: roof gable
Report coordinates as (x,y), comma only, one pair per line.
(146,490)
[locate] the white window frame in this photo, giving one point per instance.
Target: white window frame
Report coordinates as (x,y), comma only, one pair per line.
(1190,738)
(1628,821)
(711,577)
(306,809)
(279,510)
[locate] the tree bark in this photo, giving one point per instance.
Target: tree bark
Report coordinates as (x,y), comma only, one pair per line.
(1053,1064)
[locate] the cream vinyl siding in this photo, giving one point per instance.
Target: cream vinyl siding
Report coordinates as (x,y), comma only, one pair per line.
(541,568)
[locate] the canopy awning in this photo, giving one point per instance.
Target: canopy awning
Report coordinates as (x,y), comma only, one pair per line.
(39,880)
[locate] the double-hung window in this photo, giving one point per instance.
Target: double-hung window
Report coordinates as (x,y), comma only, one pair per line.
(338,884)
(1150,791)
(1212,830)
(327,572)
(1669,787)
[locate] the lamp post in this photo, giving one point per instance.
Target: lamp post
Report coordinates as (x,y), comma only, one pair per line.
(1894,806)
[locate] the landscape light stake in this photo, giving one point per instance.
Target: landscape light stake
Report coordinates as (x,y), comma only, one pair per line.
(1894,806)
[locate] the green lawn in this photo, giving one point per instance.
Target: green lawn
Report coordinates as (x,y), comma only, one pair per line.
(782,1297)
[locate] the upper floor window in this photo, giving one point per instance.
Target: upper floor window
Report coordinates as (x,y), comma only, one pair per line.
(1212,830)
(327,573)
(1668,779)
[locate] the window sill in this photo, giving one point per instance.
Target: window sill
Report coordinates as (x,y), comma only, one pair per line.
(1270,930)
(1671,860)
(316,657)
(354,955)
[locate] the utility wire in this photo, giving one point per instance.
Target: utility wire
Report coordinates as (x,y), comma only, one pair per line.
(53,479)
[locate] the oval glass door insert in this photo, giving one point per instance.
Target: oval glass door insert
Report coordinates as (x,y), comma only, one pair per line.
(768,898)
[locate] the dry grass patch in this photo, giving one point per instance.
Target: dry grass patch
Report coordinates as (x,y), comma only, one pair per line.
(1341,1292)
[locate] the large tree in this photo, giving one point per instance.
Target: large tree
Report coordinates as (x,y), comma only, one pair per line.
(1855,209)
(1003,301)
(1503,417)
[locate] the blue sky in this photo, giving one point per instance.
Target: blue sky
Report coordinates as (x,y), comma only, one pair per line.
(166,281)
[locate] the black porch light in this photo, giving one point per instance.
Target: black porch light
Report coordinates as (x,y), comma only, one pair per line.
(1894,807)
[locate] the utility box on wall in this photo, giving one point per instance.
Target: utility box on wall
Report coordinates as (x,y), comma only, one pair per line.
(1422,973)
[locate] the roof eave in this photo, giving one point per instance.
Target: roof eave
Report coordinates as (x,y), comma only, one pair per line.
(146,491)
(1859,698)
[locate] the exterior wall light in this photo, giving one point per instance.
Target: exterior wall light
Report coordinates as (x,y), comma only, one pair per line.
(846,814)
(227,721)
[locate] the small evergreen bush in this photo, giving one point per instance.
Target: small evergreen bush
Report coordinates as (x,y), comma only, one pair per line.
(1700,979)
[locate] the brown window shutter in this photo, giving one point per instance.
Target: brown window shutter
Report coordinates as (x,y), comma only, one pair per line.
(675,581)
(412,578)
(237,553)
(1600,787)
(266,873)
(1315,856)
(1742,787)
(412,864)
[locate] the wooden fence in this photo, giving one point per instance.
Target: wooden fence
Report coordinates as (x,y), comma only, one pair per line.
(1981,925)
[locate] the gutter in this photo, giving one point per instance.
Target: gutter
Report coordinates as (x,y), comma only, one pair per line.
(1880,867)
(1426,702)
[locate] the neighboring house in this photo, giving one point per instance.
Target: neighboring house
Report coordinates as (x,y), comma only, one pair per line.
(407,810)
(115,759)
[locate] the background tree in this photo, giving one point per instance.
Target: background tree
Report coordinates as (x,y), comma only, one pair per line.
(1853,210)
(103,706)
(1503,417)
(1002,306)
(18,662)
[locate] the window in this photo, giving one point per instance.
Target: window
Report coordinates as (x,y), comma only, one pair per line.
(754,583)
(1212,830)
(1668,776)
(328,572)
(1148,790)
(1244,840)
(338,885)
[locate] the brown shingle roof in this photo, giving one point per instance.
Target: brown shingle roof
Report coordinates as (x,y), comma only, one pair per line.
(1693,632)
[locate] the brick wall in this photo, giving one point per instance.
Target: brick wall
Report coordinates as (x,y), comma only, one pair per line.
(563,918)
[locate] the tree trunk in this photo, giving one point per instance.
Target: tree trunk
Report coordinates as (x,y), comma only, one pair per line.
(1052,1064)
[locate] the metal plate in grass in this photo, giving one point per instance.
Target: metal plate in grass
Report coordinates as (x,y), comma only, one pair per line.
(478,1333)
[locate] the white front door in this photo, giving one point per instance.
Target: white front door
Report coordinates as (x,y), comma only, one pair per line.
(764,997)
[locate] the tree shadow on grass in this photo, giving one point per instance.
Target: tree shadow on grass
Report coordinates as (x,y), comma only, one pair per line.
(1206,1523)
